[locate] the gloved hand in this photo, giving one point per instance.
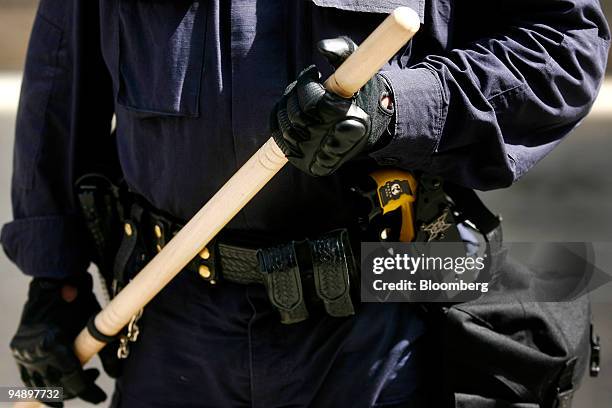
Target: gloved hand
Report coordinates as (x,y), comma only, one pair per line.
(319,131)
(54,314)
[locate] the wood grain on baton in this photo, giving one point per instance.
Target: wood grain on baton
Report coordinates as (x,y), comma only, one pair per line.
(356,71)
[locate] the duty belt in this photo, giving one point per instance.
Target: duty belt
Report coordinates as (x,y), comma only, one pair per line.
(297,275)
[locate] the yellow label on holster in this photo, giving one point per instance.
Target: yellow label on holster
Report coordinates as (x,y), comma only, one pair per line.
(396,189)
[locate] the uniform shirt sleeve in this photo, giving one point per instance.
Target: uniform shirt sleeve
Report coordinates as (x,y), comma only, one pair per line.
(62,131)
(520,76)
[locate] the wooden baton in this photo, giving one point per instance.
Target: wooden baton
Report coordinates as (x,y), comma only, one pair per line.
(393,33)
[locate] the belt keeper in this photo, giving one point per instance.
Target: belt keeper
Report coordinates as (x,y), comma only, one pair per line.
(126,250)
(283,282)
(332,264)
(159,232)
(97,334)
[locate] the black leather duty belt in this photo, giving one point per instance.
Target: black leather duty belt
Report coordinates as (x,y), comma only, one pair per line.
(297,275)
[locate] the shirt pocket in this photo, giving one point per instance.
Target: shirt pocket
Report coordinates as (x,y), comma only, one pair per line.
(370,13)
(33,118)
(161,56)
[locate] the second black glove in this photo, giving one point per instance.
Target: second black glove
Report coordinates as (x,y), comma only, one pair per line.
(54,314)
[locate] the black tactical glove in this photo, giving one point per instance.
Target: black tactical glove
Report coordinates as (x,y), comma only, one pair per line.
(54,314)
(319,131)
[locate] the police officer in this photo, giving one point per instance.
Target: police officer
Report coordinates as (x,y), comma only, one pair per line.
(481,94)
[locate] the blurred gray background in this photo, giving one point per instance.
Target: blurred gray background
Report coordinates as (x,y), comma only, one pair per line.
(567,197)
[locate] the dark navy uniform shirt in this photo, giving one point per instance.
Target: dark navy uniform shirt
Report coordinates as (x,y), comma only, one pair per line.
(483,92)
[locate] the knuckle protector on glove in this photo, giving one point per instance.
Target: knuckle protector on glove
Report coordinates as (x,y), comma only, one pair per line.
(319,131)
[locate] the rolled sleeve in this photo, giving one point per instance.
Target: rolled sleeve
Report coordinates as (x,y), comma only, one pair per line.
(52,247)
(482,111)
(420,115)
(63,128)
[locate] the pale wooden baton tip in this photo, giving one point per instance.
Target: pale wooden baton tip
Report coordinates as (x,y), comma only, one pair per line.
(407,18)
(384,42)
